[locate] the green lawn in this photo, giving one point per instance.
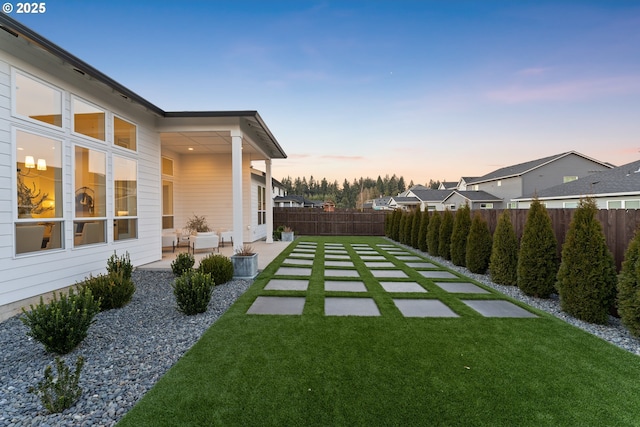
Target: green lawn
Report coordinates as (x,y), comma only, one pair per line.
(313,370)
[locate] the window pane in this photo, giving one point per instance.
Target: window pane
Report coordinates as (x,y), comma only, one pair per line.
(167,204)
(632,204)
(125,172)
(125,229)
(88,120)
(38,101)
(91,183)
(38,236)
(124,134)
(39,176)
(89,232)
(616,204)
(167,166)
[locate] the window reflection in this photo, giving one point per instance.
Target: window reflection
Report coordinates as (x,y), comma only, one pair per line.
(91,182)
(124,134)
(38,101)
(125,176)
(88,119)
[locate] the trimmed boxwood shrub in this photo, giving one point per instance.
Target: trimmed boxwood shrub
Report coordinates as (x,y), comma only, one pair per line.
(193,292)
(113,290)
(183,263)
(62,324)
(459,235)
(122,264)
(218,266)
(444,239)
(433,233)
(503,264)
(422,232)
(629,287)
(537,260)
(478,245)
(587,275)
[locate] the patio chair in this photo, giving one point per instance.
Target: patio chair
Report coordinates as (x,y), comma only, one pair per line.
(169,240)
(226,236)
(205,241)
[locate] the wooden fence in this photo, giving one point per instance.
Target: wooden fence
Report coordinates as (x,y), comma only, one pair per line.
(619,225)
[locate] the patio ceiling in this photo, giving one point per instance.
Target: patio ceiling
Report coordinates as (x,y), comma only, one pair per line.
(197,142)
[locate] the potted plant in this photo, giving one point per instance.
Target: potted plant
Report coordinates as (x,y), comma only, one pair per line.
(287,234)
(197,224)
(245,263)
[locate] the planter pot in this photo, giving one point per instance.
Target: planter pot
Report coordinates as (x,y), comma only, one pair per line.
(245,267)
(287,236)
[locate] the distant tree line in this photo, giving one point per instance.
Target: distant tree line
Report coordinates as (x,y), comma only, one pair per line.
(349,195)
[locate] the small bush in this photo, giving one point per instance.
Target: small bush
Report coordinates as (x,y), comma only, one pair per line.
(478,245)
(183,263)
(121,264)
(444,239)
(459,236)
(503,264)
(113,290)
(218,266)
(629,287)
(433,234)
(193,292)
(62,324)
(422,237)
(277,233)
(61,392)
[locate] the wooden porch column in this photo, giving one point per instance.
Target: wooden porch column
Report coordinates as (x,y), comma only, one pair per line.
(269,201)
(236,186)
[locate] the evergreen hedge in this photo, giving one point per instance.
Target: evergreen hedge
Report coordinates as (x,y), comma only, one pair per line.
(422,232)
(587,275)
(395,225)
(629,287)
(402,228)
(433,233)
(444,240)
(503,264)
(478,245)
(459,235)
(537,260)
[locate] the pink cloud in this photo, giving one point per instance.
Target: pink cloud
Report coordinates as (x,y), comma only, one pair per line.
(343,157)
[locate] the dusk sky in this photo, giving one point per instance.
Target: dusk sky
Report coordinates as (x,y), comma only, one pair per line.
(423,89)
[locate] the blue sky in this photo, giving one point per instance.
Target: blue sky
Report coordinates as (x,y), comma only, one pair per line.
(422,89)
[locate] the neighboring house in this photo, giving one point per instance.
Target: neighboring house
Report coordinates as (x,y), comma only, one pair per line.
(526,178)
(293,201)
(429,199)
(475,200)
(381,204)
(617,188)
(448,185)
(258,226)
(462,184)
(89,168)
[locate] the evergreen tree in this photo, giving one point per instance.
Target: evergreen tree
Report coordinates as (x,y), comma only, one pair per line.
(503,265)
(403,227)
(406,239)
(629,287)
(444,240)
(537,260)
(433,233)
(459,235)
(395,225)
(415,227)
(478,245)
(401,185)
(387,224)
(422,233)
(587,275)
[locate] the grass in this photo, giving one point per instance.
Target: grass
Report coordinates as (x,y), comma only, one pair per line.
(314,370)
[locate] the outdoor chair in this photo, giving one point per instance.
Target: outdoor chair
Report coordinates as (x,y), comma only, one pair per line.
(169,240)
(205,241)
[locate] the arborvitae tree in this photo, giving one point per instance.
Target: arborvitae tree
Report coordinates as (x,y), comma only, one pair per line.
(415,228)
(407,228)
(629,287)
(422,237)
(461,225)
(433,233)
(587,275)
(537,260)
(403,227)
(387,224)
(444,240)
(503,265)
(478,245)
(395,226)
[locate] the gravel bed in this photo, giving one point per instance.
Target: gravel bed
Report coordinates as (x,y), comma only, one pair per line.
(126,352)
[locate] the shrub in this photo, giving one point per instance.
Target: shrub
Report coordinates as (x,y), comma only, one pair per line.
(444,240)
(121,264)
(113,290)
(62,324)
(503,264)
(478,245)
(433,233)
(415,228)
(459,235)
(183,263)
(422,232)
(277,233)
(218,266)
(404,220)
(629,287)
(587,275)
(61,392)
(537,260)
(387,224)
(193,292)
(396,224)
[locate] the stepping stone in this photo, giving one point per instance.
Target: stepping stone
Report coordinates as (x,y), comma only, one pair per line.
(287,285)
(360,245)
(421,265)
(498,308)
(336,251)
(302,255)
(366,252)
(277,305)
(334,256)
(334,245)
(437,274)
(402,287)
(335,306)
(308,251)
(399,254)
(389,273)
(338,263)
(379,264)
(307,244)
(423,308)
(409,258)
(373,258)
(462,288)
(298,261)
(341,273)
(344,286)
(293,271)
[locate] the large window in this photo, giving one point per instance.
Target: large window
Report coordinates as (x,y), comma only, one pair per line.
(125,183)
(262,209)
(88,119)
(38,101)
(167,193)
(124,134)
(39,193)
(90,196)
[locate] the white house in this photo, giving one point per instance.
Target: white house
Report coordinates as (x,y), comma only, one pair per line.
(88,167)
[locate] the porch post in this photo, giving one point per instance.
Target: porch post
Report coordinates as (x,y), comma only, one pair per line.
(236,186)
(269,197)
